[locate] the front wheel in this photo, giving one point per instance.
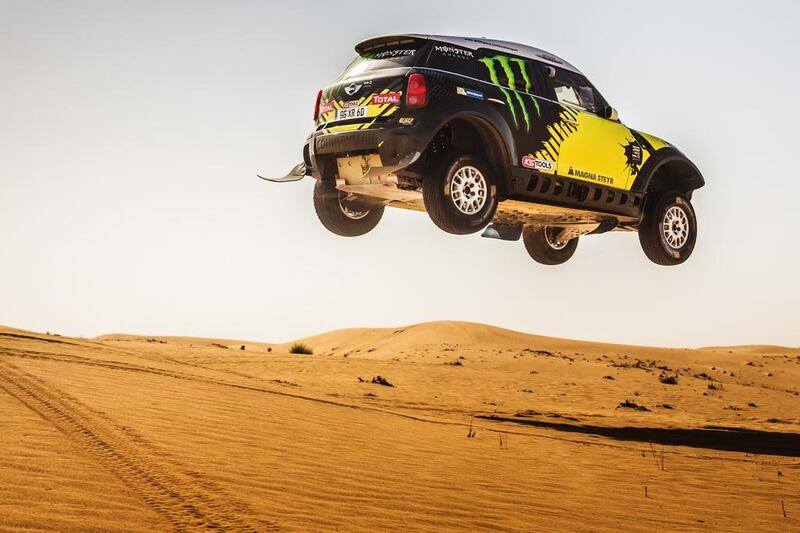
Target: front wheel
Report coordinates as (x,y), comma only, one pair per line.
(544,246)
(344,214)
(669,228)
(461,198)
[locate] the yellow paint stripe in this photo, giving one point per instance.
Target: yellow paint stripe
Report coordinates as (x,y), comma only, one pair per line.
(551,151)
(561,130)
(555,138)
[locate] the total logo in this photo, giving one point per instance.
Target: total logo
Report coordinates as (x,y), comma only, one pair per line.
(386,98)
(541,165)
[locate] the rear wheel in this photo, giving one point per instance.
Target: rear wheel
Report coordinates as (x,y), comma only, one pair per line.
(344,214)
(669,228)
(544,247)
(461,198)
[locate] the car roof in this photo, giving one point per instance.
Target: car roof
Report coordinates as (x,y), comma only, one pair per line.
(473,43)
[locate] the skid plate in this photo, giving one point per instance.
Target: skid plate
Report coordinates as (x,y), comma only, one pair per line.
(511,212)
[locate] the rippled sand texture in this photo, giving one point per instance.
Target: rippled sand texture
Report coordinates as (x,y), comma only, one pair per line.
(469,427)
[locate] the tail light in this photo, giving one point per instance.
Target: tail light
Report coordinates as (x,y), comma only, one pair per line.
(417,91)
(316,105)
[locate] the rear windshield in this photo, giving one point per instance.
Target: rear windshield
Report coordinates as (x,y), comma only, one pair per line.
(404,55)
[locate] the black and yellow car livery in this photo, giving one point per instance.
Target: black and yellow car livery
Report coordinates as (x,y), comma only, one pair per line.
(487,134)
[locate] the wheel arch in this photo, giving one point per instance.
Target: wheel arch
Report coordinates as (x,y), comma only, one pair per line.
(668,169)
(495,138)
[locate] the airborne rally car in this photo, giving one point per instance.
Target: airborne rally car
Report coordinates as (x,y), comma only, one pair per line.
(491,134)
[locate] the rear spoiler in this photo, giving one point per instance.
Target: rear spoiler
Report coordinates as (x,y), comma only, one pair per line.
(383,41)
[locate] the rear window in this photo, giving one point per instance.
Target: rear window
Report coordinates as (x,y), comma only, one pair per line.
(379,58)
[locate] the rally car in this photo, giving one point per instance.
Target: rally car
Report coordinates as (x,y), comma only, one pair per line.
(496,136)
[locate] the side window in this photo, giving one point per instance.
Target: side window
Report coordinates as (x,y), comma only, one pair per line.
(573,89)
(491,66)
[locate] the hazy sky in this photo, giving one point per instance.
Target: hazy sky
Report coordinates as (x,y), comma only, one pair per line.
(131,134)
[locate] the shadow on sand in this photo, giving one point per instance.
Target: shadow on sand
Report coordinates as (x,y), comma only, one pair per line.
(711,437)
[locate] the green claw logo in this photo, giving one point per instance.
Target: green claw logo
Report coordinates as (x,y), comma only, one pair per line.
(510,87)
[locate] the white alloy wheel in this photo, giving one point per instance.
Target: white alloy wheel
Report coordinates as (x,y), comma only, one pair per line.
(675,227)
(468,190)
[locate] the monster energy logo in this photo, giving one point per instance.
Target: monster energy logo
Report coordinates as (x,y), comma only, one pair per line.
(505,63)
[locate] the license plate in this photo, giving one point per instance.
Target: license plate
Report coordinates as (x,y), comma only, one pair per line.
(351,112)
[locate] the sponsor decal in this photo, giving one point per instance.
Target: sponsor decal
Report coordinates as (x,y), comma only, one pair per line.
(392,53)
(508,66)
(633,157)
(351,103)
(590,176)
(386,98)
(472,93)
(352,89)
(552,59)
(454,51)
(490,43)
(326,107)
(541,165)
(406,121)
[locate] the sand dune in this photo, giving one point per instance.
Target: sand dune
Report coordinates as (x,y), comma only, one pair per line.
(482,428)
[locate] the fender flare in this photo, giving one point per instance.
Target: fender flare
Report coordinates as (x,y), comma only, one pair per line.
(691,177)
(497,131)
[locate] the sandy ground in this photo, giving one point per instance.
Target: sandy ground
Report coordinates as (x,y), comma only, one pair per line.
(483,428)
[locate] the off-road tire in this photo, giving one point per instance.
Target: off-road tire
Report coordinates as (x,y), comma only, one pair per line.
(331,207)
(440,203)
(668,216)
(539,244)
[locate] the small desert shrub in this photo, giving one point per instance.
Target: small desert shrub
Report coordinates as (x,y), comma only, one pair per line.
(301,348)
(378,380)
(627,404)
(668,379)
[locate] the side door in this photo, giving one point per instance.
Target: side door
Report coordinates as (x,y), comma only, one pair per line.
(590,147)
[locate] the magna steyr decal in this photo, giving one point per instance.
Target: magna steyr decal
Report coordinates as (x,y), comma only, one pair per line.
(505,63)
(590,176)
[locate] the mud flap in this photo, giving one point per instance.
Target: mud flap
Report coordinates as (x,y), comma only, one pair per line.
(503,232)
(296,174)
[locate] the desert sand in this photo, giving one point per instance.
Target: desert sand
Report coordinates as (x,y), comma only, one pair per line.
(436,426)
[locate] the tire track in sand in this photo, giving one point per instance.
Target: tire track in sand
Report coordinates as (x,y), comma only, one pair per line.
(187,499)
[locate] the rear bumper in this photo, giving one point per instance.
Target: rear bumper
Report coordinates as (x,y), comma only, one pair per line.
(398,147)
